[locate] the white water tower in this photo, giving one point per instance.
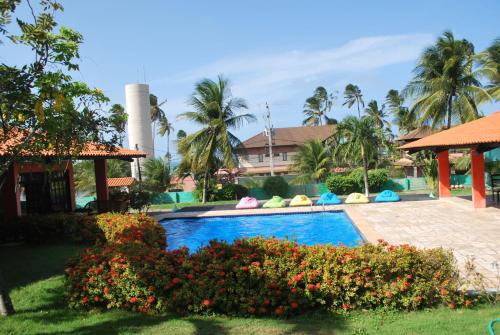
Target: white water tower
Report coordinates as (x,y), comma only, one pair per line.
(140,136)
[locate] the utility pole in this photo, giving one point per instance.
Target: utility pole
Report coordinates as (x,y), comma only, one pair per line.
(269,133)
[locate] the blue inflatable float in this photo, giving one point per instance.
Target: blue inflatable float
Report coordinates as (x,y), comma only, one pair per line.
(328,198)
(387,196)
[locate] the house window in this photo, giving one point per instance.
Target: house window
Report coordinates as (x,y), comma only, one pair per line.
(285,156)
(261,158)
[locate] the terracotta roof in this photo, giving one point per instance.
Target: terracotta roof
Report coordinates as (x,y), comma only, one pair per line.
(90,150)
(484,132)
(404,162)
(291,136)
(119,182)
(417,134)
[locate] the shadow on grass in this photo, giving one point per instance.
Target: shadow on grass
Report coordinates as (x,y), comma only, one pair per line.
(23,265)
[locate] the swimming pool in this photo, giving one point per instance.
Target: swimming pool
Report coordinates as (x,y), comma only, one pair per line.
(305,228)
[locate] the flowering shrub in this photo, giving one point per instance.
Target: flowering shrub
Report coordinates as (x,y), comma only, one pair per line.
(261,277)
(123,228)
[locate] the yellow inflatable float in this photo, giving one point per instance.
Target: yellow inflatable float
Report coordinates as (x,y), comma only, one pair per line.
(356,198)
(301,200)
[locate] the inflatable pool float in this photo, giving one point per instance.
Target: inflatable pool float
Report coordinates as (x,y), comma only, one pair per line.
(247,203)
(387,196)
(328,198)
(300,200)
(275,202)
(356,198)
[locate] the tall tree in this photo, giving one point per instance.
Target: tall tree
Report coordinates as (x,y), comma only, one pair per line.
(357,141)
(403,118)
(353,95)
(157,113)
(377,114)
(215,110)
(312,162)
(166,128)
(118,121)
(317,106)
(39,100)
(446,87)
(490,59)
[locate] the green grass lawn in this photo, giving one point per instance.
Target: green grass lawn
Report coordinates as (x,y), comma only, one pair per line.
(35,275)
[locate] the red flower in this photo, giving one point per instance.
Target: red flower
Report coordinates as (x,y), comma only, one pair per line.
(468,303)
(310,287)
(151,288)
(251,310)
(96,298)
(106,290)
(206,302)
(176,280)
(318,286)
(279,310)
(151,299)
(133,300)
(222,273)
(293,289)
(452,305)
(294,305)
(388,294)
(85,300)
(190,276)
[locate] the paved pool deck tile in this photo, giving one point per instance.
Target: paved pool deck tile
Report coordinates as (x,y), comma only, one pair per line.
(450,223)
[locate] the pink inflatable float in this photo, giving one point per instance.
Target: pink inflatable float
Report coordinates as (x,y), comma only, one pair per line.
(247,203)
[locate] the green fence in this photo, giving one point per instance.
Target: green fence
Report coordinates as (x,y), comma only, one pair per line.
(174,197)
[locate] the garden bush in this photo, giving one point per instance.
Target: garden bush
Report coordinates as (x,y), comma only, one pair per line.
(275,185)
(341,184)
(261,277)
(231,192)
(56,227)
(354,182)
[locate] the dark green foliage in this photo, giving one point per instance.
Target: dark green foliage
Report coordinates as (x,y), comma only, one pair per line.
(141,198)
(353,182)
(231,192)
(67,227)
(341,184)
(276,185)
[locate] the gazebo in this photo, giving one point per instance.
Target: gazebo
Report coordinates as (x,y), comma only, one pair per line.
(29,173)
(479,136)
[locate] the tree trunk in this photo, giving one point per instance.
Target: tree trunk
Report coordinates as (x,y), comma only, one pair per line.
(6,307)
(359,112)
(205,186)
(450,109)
(168,150)
(365,172)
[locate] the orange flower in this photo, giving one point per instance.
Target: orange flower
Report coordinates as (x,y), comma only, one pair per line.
(206,302)
(133,300)
(294,305)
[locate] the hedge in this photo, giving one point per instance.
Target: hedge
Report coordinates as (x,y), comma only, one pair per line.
(354,181)
(257,276)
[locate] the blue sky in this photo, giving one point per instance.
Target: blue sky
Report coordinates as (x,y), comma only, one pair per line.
(273,51)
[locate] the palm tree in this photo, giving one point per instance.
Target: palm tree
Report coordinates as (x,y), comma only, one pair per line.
(118,121)
(215,109)
(181,134)
(317,107)
(402,116)
(312,162)
(446,85)
(358,142)
(166,128)
(377,114)
(157,174)
(352,95)
(490,59)
(157,114)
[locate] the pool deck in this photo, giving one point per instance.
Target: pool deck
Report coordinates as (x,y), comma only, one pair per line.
(449,223)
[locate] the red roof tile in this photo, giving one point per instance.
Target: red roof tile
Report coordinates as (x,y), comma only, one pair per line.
(484,131)
(119,182)
(291,136)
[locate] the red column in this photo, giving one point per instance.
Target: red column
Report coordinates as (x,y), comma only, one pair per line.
(101,184)
(478,186)
(11,192)
(71,181)
(444,174)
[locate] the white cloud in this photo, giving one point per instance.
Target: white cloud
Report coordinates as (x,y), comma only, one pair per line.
(253,75)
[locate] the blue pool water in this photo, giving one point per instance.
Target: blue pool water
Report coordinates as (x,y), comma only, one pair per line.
(305,228)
